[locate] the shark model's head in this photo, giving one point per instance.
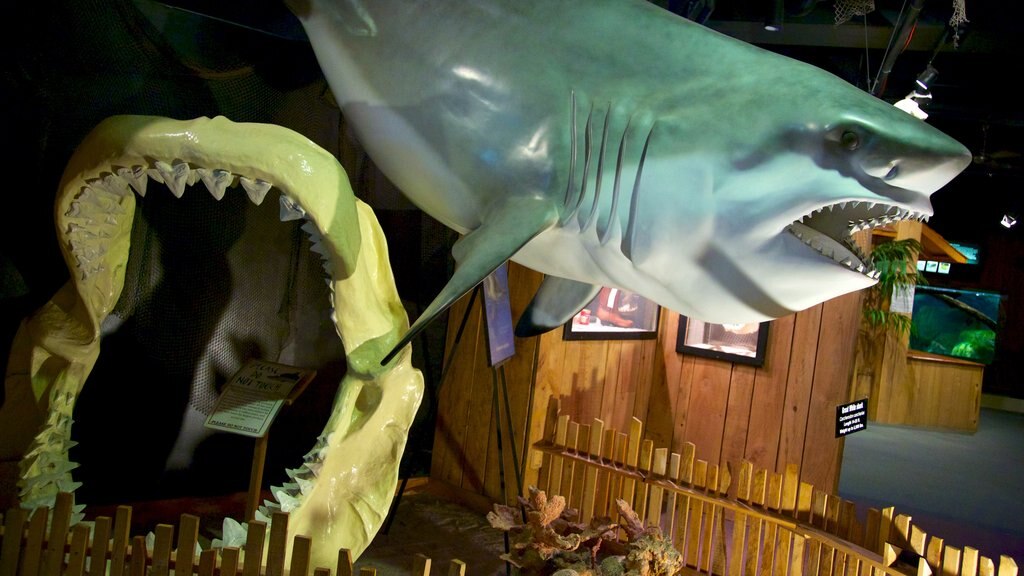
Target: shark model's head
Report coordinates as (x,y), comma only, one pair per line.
(770,229)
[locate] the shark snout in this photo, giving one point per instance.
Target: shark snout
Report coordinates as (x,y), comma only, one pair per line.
(923,171)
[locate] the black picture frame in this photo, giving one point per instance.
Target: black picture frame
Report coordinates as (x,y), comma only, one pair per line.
(737,343)
(615,314)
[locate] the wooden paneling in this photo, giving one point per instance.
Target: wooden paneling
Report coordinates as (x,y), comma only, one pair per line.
(783,412)
(935,393)
(466,451)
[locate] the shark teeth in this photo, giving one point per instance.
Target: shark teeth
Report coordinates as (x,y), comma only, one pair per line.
(216,181)
(136,178)
(90,221)
(256,189)
(94,214)
(175,177)
(290,210)
(846,254)
(829,229)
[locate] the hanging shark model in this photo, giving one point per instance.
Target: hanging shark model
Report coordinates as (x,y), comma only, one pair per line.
(610,142)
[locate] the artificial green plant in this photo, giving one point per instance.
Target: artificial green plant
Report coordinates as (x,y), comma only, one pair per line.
(895,262)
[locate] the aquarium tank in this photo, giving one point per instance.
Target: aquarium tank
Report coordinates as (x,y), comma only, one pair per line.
(957,323)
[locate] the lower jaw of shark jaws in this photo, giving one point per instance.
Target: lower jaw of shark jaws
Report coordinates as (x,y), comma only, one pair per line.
(341,493)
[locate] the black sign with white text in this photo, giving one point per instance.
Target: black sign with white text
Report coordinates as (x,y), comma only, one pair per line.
(852,417)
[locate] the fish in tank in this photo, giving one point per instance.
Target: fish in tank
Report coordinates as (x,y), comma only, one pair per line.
(957,323)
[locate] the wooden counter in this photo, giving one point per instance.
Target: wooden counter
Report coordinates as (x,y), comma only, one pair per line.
(935,392)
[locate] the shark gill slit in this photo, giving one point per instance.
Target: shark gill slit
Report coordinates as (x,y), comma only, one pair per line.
(588,151)
(570,180)
(612,224)
(626,246)
(592,217)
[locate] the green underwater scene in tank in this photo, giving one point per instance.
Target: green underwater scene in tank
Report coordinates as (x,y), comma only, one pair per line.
(957,323)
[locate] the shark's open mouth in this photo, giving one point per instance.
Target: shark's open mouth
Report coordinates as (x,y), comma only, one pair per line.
(829,230)
(341,493)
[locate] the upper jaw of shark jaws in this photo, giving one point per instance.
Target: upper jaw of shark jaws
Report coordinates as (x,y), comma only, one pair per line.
(342,492)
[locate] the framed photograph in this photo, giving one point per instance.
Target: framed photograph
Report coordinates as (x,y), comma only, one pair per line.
(615,314)
(739,343)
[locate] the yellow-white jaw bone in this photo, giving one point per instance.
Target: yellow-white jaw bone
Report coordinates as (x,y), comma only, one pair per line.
(342,492)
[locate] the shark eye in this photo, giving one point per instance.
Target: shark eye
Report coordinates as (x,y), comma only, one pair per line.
(850,140)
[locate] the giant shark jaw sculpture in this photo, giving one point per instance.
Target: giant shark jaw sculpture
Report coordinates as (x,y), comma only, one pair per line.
(343,490)
(610,142)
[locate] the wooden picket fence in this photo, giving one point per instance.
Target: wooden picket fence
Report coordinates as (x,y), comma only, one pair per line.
(36,544)
(772,525)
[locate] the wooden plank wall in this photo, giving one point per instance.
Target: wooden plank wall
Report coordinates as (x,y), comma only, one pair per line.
(783,412)
(465,453)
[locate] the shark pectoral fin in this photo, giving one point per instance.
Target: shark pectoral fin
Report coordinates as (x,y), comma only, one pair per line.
(554,304)
(504,231)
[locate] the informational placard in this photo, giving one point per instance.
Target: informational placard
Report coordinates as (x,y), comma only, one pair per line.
(254,395)
(500,335)
(852,417)
(902,300)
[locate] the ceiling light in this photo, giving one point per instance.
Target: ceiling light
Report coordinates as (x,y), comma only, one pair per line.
(1008,221)
(925,79)
(773,20)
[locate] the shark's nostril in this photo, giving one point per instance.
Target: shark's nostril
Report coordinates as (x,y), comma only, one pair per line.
(893,172)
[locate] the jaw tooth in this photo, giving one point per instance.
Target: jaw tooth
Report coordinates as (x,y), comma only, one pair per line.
(111,184)
(216,181)
(256,189)
(175,177)
(136,178)
(322,250)
(847,262)
(311,230)
(290,210)
(855,203)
